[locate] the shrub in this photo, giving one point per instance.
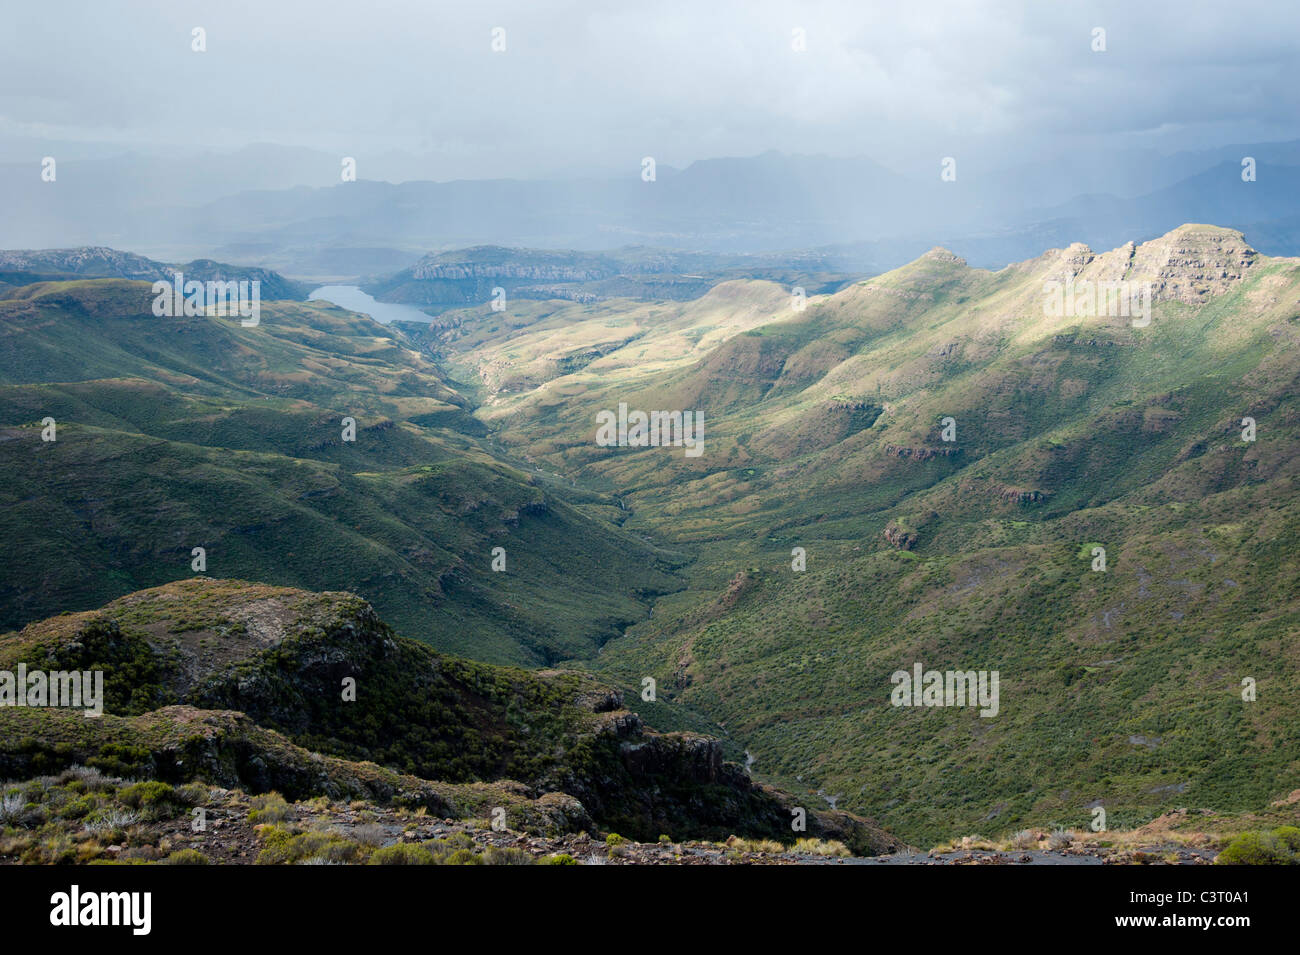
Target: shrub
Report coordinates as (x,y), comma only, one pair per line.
(269,808)
(443,849)
(402,854)
(78,808)
(560,858)
(193,793)
(614,839)
(370,834)
(1261,848)
(769,846)
(12,811)
(88,777)
(1289,836)
(111,820)
(285,849)
(463,857)
(59,849)
(155,800)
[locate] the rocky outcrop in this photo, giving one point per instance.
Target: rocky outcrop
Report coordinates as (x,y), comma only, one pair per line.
(85,262)
(1022,496)
(903,538)
(266,688)
(99,262)
(1189,264)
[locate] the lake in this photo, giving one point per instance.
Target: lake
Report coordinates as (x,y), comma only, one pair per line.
(353,299)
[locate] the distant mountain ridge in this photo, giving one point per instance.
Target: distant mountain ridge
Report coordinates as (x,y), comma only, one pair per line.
(23,267)
(865,216)
(470,276)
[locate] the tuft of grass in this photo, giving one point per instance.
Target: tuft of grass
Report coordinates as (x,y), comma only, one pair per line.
(820,847)
(1061,839)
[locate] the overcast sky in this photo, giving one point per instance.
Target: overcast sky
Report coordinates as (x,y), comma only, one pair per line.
(586,86)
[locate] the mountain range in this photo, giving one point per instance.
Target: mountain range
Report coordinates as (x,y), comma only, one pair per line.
(287,209)
(918,468)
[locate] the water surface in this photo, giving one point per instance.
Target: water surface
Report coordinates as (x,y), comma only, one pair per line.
(353,299)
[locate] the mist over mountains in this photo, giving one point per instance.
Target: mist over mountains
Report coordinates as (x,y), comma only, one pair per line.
(276,207)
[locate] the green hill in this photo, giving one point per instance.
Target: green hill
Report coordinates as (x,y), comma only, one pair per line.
(825,431)
(949,453)
(177,433)
(262,688)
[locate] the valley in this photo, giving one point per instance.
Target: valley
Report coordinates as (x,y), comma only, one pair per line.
(933,465)
(1072,432)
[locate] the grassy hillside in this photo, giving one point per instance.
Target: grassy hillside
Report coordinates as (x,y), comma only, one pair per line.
(198,432)
(824,430)
(263,687)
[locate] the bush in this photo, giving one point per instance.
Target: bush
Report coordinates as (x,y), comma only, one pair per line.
(443,849)
(111,821)
(560,858)
(370,834)
(12,808)
(1289,836)
(402,854)
(614,839)
(506,856)
(463,857)
(88,777)
(269,808)
(285,849)
(153,799)
(1262,848)
(768,846)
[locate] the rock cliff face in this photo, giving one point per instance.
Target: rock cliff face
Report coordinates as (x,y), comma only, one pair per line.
(90,262)
(1190,264)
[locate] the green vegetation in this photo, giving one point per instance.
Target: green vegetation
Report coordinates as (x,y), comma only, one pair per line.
(197,432)
(1279,847)
(1123,687)
(1165,681)
(255,676)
